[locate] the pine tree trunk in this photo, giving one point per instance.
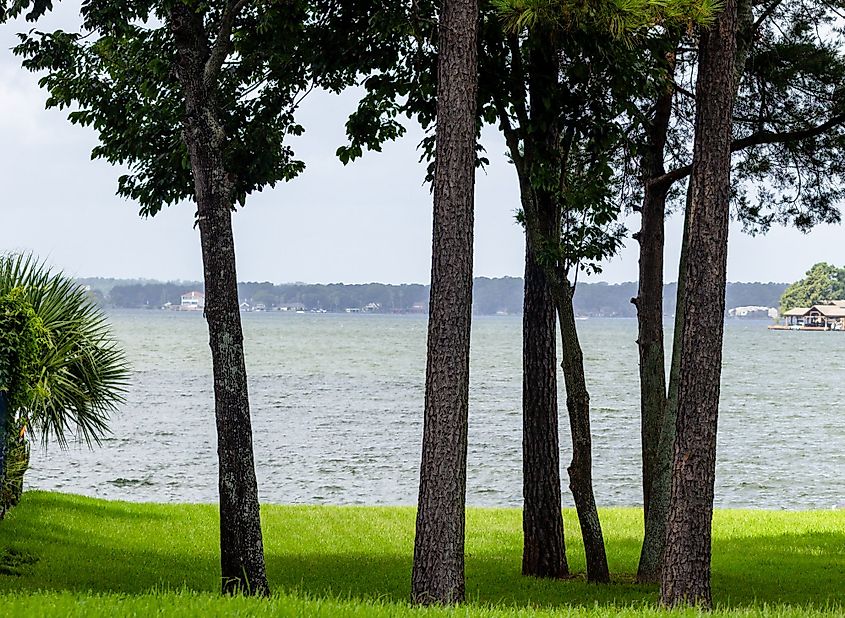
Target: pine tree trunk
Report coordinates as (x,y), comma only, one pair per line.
(581,468)
(544,549)
(241,544)
(649,303)
(654,543)
(686,569)
(438,568)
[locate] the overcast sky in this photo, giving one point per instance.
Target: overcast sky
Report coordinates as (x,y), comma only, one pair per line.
(369,221)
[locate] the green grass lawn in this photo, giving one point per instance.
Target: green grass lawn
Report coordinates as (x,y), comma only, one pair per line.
(72,556)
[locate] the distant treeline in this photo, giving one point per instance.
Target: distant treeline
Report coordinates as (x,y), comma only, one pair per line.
(491,296)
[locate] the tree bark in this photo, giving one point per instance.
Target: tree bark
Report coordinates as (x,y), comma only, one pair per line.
(686,569)
(241,544)
(581,468)
(654,543)
(5,413)
(544,548)
(649,303)
(657,509)
(438,568)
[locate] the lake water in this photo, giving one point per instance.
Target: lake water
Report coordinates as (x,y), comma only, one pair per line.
(337,413)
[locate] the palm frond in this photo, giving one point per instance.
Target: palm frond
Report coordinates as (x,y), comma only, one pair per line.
(84,374)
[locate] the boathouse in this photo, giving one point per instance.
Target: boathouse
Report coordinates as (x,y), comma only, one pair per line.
(829,315)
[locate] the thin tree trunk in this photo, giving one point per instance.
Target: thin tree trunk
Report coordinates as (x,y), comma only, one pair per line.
(654,543)
(649,303)
(581,468)
(544,548)
(438,568)
(241,544)
(5,422)
(686,569)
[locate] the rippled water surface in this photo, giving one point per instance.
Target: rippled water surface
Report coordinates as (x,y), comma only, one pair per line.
(337,413)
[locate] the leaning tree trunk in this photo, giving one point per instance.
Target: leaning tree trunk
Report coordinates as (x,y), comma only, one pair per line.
(581,468)
(649,303)
(686,569)
(241,545)
(654,544)
(438,568)
(544,548)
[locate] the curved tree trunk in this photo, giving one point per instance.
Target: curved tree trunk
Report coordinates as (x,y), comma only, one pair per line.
(241,544)
(438,569)
(581,468)
(544,548)
(649,303)
(686,569)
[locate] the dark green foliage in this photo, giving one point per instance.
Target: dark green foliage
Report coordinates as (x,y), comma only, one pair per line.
(788,121)
(32,8)
(823,282)
(116,76)
(790,111)
(23,343)
(591,100)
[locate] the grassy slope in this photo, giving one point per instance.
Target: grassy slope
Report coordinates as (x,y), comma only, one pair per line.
(106,558)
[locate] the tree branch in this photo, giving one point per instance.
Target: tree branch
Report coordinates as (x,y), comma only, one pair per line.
(223,43)
(759,138)
(511,135)
(765,15)
(517,81)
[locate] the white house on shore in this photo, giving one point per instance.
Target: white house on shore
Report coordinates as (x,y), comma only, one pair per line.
(192,301)
(754,311)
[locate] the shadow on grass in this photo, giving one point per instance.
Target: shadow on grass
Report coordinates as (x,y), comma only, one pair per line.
(798,570)
(133,549)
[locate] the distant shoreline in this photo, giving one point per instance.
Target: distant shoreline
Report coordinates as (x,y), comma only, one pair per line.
(498,296)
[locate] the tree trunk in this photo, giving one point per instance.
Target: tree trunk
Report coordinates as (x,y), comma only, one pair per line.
(581,468)
(438,568)
(544,548)
(649,303)
(660,482)
(5,422)
(686,569)
(241,544)
(654,543)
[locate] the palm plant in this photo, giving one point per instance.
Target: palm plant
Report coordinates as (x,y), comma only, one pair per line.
(79,375)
